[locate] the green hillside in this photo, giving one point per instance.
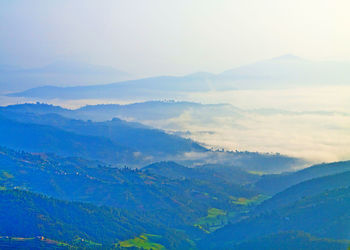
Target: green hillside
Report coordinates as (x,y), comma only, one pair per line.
(174,202)
(27,215)
(211,173)
(320,207)
(272,184)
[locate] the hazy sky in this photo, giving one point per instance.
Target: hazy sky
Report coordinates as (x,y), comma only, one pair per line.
(150,37)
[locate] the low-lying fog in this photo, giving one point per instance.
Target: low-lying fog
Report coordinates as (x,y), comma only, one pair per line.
(312,123)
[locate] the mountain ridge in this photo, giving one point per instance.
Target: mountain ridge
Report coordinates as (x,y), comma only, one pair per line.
(280,72)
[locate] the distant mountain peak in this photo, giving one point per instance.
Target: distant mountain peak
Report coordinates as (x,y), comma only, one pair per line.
(289,57)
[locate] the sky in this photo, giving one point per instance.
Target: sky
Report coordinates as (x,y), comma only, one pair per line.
(160,37)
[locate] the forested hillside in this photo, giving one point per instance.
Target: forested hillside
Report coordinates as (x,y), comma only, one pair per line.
(319,206)
(178,202)
(79,224)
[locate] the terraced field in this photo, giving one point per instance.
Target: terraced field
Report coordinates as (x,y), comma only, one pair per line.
(144,241)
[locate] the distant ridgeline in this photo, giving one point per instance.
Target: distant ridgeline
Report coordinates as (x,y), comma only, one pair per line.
(280,72)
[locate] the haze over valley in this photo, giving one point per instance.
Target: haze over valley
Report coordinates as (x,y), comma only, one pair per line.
(269,106)
(175,124)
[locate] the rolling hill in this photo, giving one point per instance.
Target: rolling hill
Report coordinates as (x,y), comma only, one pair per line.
(114,141)
(44,138)
(306,188)
(27,215)
(272,184)
(177,202)
(318,206)
(212,173)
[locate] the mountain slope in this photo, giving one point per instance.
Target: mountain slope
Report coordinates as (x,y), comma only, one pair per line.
(24,214)
(142,143)
(325,215)
(318,206)
(129,134)
(307,188)
(212,173)
(177,202)
(274,183)
(43,138)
